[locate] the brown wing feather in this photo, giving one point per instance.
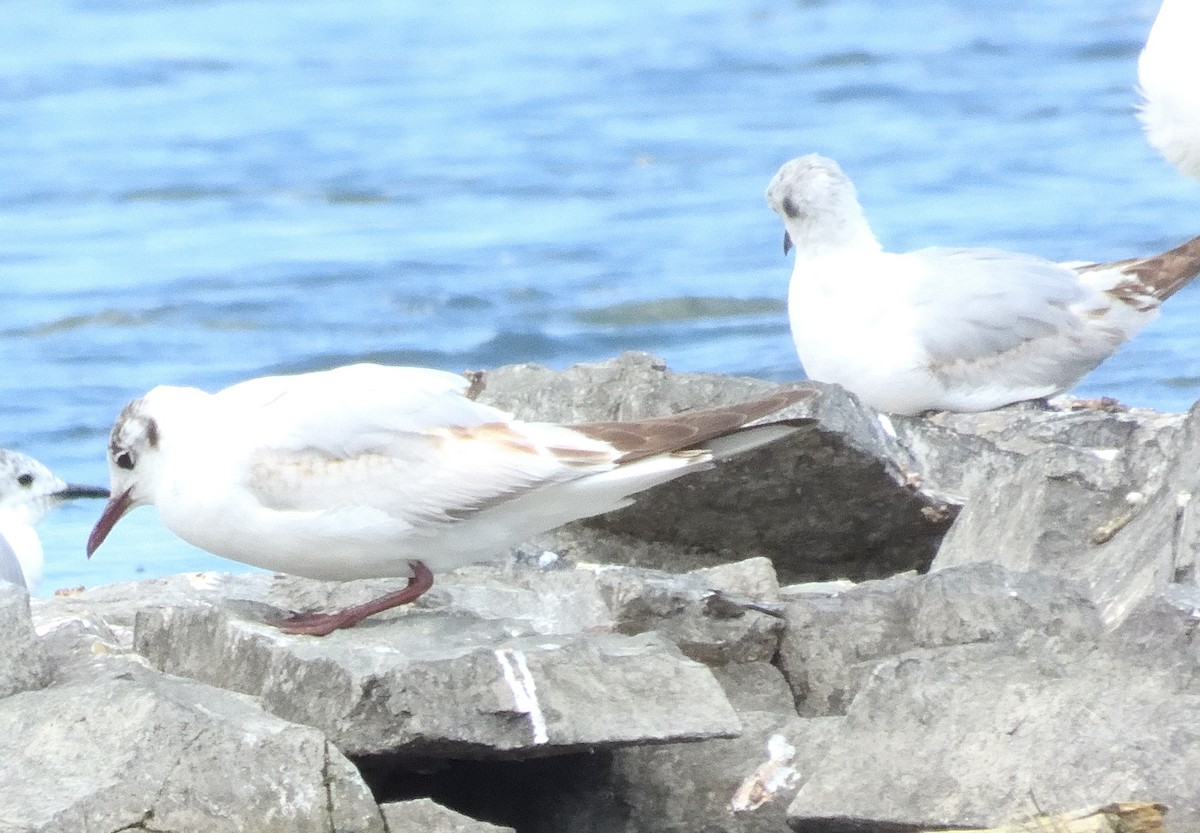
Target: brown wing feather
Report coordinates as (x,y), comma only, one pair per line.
(637,439)
(1160,276)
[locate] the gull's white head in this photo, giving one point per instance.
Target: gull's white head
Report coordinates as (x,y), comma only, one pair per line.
(27,492)
(134,464)
(819,207)
(28,489)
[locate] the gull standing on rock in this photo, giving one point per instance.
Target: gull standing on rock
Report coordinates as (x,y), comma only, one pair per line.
(1169,80)
(27,492)
(369,471)
(949,329)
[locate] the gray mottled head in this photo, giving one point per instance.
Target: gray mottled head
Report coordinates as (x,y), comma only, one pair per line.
(819,207)
(134,465)
(133,435)
(28,489)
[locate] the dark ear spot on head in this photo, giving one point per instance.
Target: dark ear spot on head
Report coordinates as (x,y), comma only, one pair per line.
(791,209)
(152,433)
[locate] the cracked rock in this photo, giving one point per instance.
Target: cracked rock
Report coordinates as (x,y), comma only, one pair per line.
(133,749)
(422,815)
(744,784)
(23,661)
(974,735)
(649,674)
(448,682)
(833,500)
(1107,506)
(833,643)
(708,624)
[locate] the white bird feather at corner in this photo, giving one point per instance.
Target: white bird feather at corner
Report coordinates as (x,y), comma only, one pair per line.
(1169,81)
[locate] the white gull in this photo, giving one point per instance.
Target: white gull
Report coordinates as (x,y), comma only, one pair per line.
(953,329)
(28,490)
(371,471)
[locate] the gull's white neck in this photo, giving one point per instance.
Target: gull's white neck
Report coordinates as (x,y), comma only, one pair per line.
(841,228)
(16,526)
(852,240)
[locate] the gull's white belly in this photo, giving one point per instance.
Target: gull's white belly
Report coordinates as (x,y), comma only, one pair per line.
(866,345)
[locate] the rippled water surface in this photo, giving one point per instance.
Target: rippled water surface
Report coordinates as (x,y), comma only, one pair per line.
(198,192)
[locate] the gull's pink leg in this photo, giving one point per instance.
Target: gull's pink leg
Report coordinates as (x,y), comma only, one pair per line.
(320,624)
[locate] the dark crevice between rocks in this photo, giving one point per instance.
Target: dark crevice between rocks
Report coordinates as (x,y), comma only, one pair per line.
(799,693)
(857,523)
(327,783)
(140,824)
(143,823)
(541,795)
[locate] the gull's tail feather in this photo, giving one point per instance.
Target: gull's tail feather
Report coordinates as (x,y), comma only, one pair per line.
(1170,271)
(1160,276)
(639,439)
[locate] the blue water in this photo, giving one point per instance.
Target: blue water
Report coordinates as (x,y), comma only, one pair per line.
(199,192)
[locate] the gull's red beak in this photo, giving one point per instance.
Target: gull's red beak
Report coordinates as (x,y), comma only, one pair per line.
(114,510)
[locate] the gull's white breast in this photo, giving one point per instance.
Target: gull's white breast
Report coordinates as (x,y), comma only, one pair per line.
(852,323)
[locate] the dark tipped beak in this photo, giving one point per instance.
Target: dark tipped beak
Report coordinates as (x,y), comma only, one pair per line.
(113,512)
(787,242)
(74,490)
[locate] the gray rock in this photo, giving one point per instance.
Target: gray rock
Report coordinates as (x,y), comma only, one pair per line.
(79,647)
(835,500)
(24,664)
(696,786)
(833,644)
(422,815)
(445,683)
(708,624)
(113,607)
(565,697)
(976,735)
(554,601)
(956,454)
(753,578)
(133,749)
(466,628)
(722,786)
(548,601)
(737,785)
(755,686)
(1112,515)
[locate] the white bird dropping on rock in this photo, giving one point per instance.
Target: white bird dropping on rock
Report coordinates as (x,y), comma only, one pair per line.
(368,471)
(949,329)
(28,491)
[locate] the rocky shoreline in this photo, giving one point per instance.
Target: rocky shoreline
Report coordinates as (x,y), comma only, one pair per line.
(878,624)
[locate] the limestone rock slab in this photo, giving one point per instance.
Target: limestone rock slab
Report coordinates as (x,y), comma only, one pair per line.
(133,749)
(24,664)
(448,683)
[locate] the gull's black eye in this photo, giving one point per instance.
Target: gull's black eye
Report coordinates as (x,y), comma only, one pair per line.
(25,480)
(125,460)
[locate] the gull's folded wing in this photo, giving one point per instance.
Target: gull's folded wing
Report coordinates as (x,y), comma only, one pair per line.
(1014,319)
(10,567)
